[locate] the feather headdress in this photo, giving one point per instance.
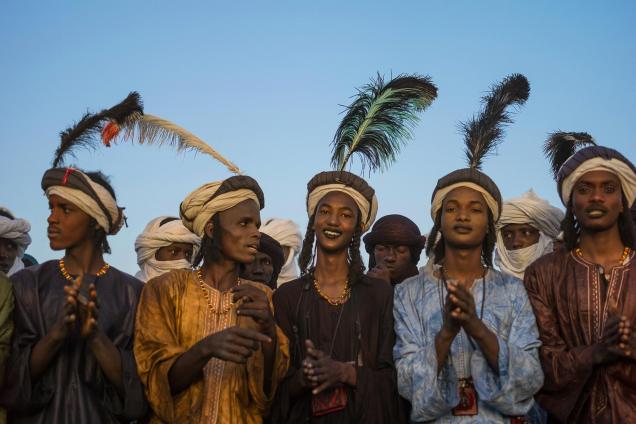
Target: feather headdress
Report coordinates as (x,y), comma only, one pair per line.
(380,120)
(151,129)
(484,132)
(84,132)
(562,145)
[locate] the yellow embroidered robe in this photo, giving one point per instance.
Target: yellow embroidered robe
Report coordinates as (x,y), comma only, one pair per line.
(172,316)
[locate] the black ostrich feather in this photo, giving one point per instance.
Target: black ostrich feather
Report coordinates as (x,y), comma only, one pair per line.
(561,145)
(85,133)
(485,131)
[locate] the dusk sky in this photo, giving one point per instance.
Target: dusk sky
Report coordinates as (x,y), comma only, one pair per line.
(264,83)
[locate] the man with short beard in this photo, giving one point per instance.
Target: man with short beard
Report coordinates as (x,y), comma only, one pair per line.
(206,344)
(267,264)
(584,296)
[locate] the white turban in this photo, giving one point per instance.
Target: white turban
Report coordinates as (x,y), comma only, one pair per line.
(368,210)
(156,236)
(287,233)
(199,207)
(538,213)
(617,167)
(16,230)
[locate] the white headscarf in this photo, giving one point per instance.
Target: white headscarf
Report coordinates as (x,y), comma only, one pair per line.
(287,233)
(16,230)
(537,212)
(156,236)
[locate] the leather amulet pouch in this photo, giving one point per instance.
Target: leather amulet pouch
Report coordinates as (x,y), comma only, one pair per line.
(467,399)
(328,401)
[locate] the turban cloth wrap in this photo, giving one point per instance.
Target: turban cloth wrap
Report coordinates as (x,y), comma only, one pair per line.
(269,246)
(287,233)
(16,230)
(154,237)
(198,208)
(345,182)
(470,178)
(395,230)
(596,158)
(89,196)
(532,210)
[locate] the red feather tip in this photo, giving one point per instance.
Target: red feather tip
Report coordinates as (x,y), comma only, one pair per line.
(110,131)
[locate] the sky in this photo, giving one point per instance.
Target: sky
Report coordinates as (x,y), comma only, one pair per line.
(265,83)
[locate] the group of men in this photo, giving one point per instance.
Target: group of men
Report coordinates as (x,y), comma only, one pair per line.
(521,313)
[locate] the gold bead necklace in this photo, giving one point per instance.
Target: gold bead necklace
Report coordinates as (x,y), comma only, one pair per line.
(102,271)
(626,252)
(340,300)
(215,294)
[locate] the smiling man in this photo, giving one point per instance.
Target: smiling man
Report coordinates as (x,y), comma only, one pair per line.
(71,359)
(14,239)
(207,347)
(339,320)
(584,296)
(164,245)
(526,230)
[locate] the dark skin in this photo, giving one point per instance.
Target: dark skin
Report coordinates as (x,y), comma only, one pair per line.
(597,204)
(239,243)
(519,236)
(8,253)
(464,226)
(174,252)
(69,228)
(393,263)
(335,224)
(260,270)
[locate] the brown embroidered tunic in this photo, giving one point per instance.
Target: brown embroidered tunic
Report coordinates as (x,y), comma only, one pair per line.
(571,299)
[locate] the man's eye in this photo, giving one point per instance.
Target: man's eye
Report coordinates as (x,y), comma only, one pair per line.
(610,189)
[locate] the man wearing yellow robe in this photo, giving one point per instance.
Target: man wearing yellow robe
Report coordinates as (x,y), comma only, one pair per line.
(206,345)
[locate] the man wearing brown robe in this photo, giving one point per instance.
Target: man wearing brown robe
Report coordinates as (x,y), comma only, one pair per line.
(584,296)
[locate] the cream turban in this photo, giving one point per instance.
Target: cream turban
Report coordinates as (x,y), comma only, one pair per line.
(368,210)
(16,230)
(287,233)
(206,201)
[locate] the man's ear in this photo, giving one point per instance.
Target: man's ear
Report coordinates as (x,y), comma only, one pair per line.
(209,229)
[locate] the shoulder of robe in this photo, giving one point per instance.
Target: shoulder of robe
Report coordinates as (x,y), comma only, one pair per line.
(290,289)
(550,265)
(177,278)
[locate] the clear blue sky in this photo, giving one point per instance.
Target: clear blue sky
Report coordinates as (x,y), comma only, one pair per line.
(262,82)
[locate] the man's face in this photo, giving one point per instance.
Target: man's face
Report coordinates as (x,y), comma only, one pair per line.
(8,253)
(239,231)
(597,201)
(175,252)
(464,218)
(260,270)
(396,258)
(335,221)
(69,226)
(519,236)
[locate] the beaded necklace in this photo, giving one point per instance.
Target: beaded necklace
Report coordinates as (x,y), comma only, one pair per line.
(102,271)
(213,299)
(340,300)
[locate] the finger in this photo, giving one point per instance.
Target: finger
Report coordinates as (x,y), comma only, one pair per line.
(317,354)
(249,333)
(323,386)
(245,342)
(232,357)
(257,305)
(258,315)
(460,303)
(309,344)
(240,350)
(69,319)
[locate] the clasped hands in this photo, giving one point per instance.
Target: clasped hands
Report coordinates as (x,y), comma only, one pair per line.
(619,338)
(460,312)
(320,372)
(78,309)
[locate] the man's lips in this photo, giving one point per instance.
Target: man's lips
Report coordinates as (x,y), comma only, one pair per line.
(253,248)
(462,229)
(52,232)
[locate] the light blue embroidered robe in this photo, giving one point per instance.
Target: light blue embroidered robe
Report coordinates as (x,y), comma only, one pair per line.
(507,312)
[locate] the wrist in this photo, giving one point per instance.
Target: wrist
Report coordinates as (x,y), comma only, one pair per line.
(446,334)
(477,330)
